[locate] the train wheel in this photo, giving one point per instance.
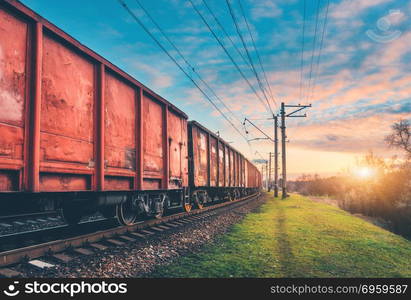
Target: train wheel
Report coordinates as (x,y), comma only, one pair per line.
(227,196)
(199,199)
(71,215)
(187,206)
(161,207)
(125,213)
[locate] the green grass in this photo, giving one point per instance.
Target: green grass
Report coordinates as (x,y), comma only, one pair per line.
(297,237)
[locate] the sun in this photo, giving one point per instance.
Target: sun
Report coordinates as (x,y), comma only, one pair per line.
(364,172)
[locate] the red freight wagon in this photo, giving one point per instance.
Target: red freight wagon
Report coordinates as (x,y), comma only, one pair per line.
(217,171)
(79,134)
(74,127)
(253,176)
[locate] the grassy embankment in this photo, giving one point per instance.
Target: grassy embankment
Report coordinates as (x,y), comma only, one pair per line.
(297,237)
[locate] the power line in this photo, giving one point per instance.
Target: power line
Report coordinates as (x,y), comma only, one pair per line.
(134,16)
(302,51)
(248,54)
(313,50)
(258,54)
(226,52)
(319,54)
(185,60)
(225,32)
(234,45)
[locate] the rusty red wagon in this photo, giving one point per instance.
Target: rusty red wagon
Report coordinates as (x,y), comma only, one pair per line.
(79,134)
(217,171)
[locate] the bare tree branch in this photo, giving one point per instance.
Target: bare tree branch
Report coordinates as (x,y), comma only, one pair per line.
(400,136)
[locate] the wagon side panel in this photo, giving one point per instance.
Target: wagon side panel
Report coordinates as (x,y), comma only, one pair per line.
(200,157)
(14,34)
(213,161)
(177,132)
(153,143)
(221,165)
(120,134)
(67,119)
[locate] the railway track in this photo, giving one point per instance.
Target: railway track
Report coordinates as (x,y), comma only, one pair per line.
(23,224)
(92,236)
(28,216)
(32,237)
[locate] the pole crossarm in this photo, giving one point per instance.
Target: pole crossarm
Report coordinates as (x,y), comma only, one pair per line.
(299,108)
(255,126)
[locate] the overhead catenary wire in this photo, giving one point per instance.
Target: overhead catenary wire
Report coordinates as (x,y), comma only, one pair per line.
(137,19)
(302,50)
(313,48)
(230,8)
(225,32)
(258,54)
(320,51)
(186,61)
(235,46)
(227,52)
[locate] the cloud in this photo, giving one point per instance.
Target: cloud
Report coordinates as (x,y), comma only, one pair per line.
(390,53)
(332,137)
(265,9)
(158,79)
(349,9)
(355,135)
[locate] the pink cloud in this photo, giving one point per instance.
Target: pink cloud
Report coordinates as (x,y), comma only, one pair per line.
(348,9)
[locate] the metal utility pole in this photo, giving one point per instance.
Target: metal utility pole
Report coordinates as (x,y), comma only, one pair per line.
(275,156)
(284,161)
(284,137)
(262,174)
(266,175)
(269,175)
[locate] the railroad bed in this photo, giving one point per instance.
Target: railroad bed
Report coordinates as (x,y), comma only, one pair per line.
(90,237)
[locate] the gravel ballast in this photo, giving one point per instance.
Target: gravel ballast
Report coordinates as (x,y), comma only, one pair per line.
(139,258)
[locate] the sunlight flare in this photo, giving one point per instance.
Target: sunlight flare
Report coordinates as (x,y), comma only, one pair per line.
(365,172)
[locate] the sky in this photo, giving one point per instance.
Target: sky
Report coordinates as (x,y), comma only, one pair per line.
(353,65)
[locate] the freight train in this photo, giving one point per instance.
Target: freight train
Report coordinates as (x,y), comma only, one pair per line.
(80,135)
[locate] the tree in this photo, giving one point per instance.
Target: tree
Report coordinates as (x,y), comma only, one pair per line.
(400,136)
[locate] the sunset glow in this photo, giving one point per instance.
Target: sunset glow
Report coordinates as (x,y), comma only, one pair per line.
(365,172)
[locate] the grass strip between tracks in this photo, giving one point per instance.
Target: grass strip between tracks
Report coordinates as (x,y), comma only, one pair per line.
(297,237)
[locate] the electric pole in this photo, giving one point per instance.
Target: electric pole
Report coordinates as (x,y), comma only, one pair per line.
(262,174)
(275,156)
(284,137)
(284,161)
(269,175)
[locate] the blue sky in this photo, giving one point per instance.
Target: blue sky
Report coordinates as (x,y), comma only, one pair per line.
(362,84)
